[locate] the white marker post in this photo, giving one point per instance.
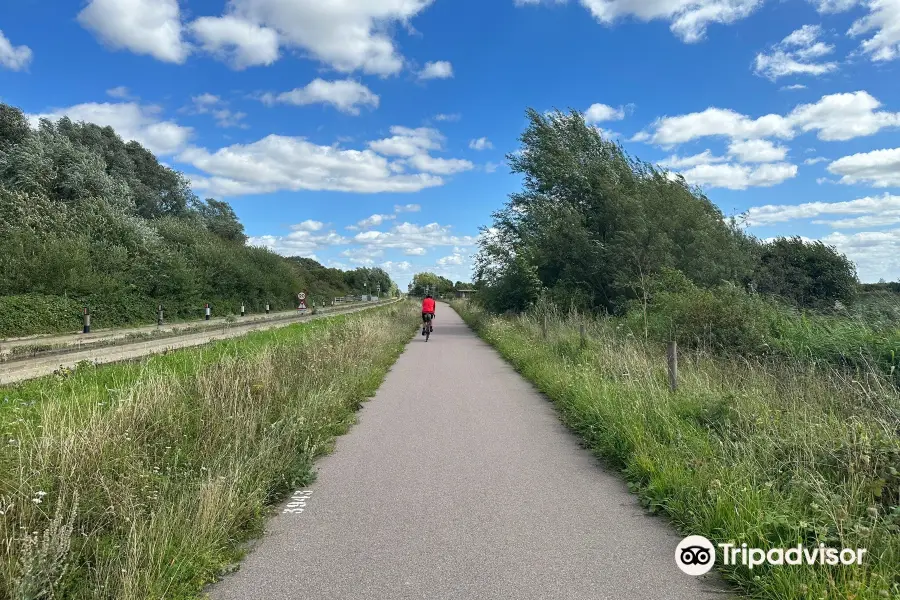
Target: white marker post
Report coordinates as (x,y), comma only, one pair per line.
(87,320)
(267,308)
(207,311)
(159,315)
(242,309)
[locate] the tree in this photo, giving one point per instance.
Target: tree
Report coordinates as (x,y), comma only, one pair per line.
(593,224)
(86,218)
(433,283)
(13,127)
(220,219)
(808,274)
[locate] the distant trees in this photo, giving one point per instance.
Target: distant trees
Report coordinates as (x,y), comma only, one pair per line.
(593,226)
(805,273)
(86,218)
(434,283)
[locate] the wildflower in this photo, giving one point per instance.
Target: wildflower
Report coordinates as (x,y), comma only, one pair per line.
(36,500)
(40,494)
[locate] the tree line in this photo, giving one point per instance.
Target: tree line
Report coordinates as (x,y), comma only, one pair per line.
(87,219)
(437,285)
(597,229)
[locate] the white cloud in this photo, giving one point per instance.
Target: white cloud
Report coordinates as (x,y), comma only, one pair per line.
(121,92)
(349,35)
(14,58)
(402,208)
(879,168)
(834,6)
(597,113)
(408,142)
(884,19)
(739,177)
(370,222)
(131,121)
(886,218)
(439,166)
(796,86)
(151,27)
(238,42)
(836,117)
(841,117)
(308,225)
(688,19)
(453,259)
(415,252)
(876,253)
(210,104)
(757,151)
(491,167)
(446,117)
(481,144)
(717,122)
(300,242)
(781,213)
(436,70)
(206,99)
(364,257)
(399,268)
(413,146)
(292,163)
(781,63)
(814,161)
(346,95)
(407,236)
(681,162)
(288,163)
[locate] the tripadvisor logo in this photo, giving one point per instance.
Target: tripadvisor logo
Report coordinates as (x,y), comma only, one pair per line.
(695,555)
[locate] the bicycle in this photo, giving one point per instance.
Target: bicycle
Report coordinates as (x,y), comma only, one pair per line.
(428,328)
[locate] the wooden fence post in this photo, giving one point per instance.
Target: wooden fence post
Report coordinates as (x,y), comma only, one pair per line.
(672,356)
(544,327)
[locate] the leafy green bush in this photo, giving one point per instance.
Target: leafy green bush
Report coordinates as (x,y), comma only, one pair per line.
(89,220)
(723,318)
(24,314)
(727,319)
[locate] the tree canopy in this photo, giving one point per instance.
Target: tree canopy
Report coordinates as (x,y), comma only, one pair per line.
(88,219)
(592,226)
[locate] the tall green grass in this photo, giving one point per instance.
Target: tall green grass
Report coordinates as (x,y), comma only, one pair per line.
(141,480)
(769,452)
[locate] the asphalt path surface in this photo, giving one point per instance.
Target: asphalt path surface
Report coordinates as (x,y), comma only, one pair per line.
(460,482)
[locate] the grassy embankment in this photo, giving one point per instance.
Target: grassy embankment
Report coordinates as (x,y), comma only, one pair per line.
(142,480)
(773,454)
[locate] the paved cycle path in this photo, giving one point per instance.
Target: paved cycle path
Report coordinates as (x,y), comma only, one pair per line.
(460,482)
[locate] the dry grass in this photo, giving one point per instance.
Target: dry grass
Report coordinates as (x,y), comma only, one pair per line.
(142,480)
(772,454)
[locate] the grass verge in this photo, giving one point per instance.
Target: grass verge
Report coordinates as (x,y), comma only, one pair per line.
(773,454)
(142,480)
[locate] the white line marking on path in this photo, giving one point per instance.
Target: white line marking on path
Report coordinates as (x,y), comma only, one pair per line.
(298,502)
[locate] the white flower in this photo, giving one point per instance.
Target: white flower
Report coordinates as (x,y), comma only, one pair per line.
(36,500)
(40,494)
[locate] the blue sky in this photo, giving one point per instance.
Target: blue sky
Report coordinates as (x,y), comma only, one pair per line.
(373,132)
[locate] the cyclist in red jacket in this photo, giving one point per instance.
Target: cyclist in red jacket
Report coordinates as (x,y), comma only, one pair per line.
(427,312)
